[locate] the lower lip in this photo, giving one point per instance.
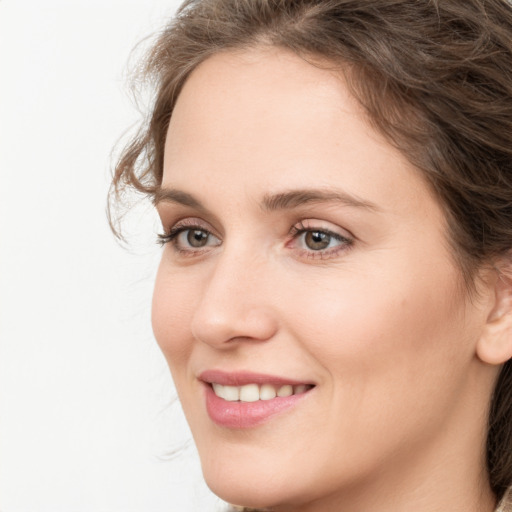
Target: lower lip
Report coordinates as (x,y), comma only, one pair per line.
(241,415)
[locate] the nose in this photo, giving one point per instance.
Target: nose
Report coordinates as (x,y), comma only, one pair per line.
(235,303)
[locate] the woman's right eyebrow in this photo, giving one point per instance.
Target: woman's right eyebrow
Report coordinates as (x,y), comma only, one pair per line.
(172,195)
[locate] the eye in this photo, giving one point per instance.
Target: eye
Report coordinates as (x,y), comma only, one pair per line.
(189,238)
(193,237)
(318,242)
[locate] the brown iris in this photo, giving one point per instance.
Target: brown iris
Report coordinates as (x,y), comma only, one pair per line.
(197,238)
(317,240)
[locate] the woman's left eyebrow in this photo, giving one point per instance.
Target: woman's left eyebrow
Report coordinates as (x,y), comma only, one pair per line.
(294,198)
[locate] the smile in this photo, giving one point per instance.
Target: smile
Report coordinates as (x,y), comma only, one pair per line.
(244,400)
(255,392)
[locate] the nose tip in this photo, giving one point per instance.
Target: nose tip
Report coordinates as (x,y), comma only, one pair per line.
(235,303)
(219,324)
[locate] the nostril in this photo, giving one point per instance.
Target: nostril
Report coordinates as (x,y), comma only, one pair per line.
(224,326)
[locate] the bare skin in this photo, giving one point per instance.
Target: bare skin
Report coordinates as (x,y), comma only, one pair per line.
(355,291)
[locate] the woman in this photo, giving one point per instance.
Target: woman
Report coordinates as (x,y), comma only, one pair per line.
(334,299)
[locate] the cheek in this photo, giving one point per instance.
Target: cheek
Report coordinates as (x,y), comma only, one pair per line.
(171,312)
(408,303)
(383,337)
(363,322)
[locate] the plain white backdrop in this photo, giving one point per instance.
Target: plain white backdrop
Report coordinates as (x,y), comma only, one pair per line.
(84,390)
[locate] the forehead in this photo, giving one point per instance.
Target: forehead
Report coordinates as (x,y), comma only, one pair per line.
(255,89)
(267,119)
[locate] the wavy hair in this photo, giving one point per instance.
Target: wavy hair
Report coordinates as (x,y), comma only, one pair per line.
(434,77)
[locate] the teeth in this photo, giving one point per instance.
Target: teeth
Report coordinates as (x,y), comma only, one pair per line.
(267,392)
(218,389)
(297,390)
(253,392)
(286,390)
(231,393)
(250,393)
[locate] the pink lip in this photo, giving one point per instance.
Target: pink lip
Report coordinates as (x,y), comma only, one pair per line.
(243,378)
(243,415)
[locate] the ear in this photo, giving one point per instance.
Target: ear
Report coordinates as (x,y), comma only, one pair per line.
(495,345)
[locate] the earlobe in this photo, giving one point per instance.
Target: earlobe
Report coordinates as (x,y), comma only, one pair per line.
(495,344)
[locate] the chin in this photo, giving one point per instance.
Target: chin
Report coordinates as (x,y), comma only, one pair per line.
(262,487)
(246,488)
(243,496)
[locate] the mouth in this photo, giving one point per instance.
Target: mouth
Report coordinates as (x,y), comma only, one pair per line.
(255,392)
(245,400)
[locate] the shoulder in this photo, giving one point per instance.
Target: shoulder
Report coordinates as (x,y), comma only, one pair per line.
(505,504)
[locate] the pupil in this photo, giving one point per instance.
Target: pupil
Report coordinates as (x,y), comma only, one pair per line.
(197,238)
(317,240)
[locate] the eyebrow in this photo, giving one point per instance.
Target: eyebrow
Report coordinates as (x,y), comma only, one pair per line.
(272,202)
(171,195)
(294,198)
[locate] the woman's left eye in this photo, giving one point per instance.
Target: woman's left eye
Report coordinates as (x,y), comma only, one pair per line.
(319,242)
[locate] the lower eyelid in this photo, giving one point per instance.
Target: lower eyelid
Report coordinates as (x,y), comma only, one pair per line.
(184,248)
(325,254)
(343,241)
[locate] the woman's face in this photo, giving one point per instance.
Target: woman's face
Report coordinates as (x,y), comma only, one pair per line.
(306,255)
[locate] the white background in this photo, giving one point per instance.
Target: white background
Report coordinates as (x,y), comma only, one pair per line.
(85,394)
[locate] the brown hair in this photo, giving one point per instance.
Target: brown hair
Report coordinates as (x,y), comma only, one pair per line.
(434,76)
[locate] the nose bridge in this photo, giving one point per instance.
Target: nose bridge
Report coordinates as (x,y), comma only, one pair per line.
(235,303)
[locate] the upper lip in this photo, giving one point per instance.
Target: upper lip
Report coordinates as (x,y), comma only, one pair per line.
(241,378)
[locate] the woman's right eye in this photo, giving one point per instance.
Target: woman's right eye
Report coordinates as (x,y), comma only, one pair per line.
(189,239)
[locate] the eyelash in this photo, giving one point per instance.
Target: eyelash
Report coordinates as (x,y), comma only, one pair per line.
(301,229)
(295,232)
(171,236)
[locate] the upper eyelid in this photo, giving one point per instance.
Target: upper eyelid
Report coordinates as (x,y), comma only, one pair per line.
(297,233)
(316,225)
(332,234)
(172,213)
(305,224)
(190,223)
